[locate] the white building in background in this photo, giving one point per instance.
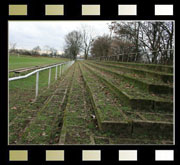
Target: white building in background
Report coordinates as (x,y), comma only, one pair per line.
(48,52)
(44,52)
(80,56)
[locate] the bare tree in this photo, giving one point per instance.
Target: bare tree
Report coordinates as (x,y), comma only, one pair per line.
(73,44)
(53,52)
(127,32)
(101,46)
(47,49)
(36,50)
(145,38)
(87,38)
(12,47)
(168,42)
(157,37)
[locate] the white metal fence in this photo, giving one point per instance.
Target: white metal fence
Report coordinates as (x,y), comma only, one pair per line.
(162,57)
(61,66)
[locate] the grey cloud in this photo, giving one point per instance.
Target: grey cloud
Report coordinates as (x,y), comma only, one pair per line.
(28,34)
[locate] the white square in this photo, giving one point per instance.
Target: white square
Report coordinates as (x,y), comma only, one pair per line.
(164,155)
(127,155)
(127,9)
(163,9)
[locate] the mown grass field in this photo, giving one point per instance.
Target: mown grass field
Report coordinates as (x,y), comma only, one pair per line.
(95,102)
(23,61)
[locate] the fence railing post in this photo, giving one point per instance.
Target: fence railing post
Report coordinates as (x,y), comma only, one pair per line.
(62,69)
(56,74)
(49,80)
(59,70)
(37,84)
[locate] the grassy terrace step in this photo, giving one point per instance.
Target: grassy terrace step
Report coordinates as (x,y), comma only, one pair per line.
(130,140)
(39,125)
(106,105)
(114,117)
(153,67)
(132,96)
(146,79)
(21,113)
(164,77)
(77,120)
(138,141)
(147,86)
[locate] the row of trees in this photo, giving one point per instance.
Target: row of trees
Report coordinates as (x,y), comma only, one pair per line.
(79,41)
(141,41)
(152,42)
(36,51)
(137,41)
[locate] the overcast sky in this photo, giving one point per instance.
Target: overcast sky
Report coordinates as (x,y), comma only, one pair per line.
(28,34)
